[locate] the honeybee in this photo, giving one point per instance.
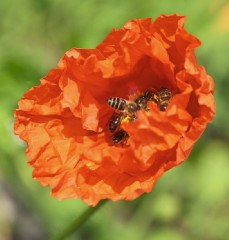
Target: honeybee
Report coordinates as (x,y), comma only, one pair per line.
(126,112)
(164,97)
(129,108)
(160,98)
(141,102)
(120,136)
(115,121)
(152,95)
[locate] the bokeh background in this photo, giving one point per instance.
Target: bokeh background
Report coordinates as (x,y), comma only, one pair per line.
(188,202)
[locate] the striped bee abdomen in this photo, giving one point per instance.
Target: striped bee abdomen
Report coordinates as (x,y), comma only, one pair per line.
(164,97)
(117,103)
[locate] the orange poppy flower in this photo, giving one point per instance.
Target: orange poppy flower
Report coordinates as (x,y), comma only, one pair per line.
(65,120)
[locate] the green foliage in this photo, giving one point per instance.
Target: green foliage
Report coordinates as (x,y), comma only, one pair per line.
(189,202)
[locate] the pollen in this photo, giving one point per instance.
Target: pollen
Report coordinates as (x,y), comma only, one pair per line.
(127,119)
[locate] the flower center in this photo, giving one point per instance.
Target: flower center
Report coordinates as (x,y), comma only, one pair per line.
(125,110)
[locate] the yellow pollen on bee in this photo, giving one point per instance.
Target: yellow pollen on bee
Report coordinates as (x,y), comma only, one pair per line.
(147,109)
(127,119)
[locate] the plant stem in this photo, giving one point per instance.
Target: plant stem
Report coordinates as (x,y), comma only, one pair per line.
(78,222)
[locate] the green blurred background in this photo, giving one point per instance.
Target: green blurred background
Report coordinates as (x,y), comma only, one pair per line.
(188,202)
